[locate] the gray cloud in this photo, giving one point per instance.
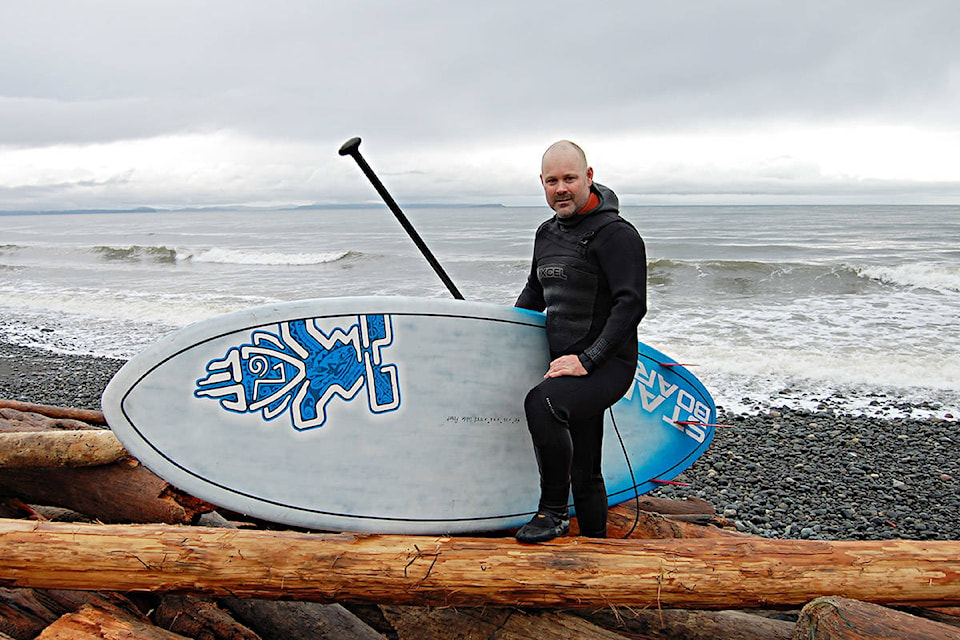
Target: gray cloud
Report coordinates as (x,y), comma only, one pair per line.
(429,74)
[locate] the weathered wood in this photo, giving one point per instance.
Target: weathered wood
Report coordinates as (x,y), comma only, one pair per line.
(59,449)
(12,420)
(293,620)
(24,613)
(949,611)
(936,614)
(66,413)
(199,619)
(834,618)
(625,521)
(123,491)
(711,573)
(299,620)
(687,624)
(90,623)
(667,506)
(428,623)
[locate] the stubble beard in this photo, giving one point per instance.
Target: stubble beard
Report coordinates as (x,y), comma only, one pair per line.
(561,208)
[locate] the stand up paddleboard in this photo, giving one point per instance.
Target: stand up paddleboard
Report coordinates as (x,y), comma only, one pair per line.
(387,415)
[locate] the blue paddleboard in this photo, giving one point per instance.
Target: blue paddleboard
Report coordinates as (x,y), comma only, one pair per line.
(376,414)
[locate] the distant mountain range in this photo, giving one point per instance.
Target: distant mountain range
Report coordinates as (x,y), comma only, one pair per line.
(314,206)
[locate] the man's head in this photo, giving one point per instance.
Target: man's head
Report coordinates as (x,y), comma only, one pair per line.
(566,178)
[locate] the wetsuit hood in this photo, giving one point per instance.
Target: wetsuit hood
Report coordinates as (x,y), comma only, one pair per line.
(608,202)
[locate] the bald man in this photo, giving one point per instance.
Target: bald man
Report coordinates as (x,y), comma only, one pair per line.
(589,275)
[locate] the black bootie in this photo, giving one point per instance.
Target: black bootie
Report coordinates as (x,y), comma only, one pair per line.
(543,527)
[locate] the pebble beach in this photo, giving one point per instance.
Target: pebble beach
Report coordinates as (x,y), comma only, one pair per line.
(780,473)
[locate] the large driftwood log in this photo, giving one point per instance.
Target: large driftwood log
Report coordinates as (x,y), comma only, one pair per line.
(293,620)
(833,618)
(13,420)
(300,620)
(687,624)
(199,618)
(667,506)
(423,623)
(64,413)
(24,613)
(934,613)
(93,623)
(82,448)
(433,623)
(716,573)
(124,491)
(625,521)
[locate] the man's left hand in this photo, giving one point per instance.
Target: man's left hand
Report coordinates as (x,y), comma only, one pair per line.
(569,365)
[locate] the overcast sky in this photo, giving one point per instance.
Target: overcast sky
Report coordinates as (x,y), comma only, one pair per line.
(115,103)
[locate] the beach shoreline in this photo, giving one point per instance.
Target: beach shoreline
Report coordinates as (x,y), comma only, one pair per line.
(780,473)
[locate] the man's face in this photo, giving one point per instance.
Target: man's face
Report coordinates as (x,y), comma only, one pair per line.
(566,182)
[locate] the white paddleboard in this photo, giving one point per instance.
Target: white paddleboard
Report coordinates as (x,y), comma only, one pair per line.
(376,414)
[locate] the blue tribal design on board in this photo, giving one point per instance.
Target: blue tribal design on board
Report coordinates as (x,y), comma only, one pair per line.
(300,369)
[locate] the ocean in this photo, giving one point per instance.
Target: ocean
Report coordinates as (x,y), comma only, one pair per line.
(851,308)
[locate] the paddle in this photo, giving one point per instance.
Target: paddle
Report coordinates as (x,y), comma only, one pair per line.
(352,148)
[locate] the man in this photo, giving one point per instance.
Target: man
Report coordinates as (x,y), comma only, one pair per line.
(589,274)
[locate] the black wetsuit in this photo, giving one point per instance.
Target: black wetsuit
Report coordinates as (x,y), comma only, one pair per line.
(589,275)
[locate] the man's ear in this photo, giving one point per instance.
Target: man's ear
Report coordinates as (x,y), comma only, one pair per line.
(589,175)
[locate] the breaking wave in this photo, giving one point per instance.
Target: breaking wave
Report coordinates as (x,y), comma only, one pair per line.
(746,277)
(216,255)
(937,277)
(137,253)
(267,258)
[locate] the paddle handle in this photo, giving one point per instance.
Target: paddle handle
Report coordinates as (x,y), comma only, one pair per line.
(352,148)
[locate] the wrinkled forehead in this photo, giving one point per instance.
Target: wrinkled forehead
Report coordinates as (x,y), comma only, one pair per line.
(563,159)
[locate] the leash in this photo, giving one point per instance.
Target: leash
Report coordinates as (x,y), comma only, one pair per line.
(633,479)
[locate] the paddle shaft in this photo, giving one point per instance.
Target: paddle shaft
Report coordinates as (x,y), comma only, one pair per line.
(352,148)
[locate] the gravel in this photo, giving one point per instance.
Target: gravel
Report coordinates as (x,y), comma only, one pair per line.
(43,377)
(780,474)
(798,474)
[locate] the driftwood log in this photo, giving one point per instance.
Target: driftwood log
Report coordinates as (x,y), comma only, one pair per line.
(62,413)
(626,521)
(833,618)
(277,620)
(24,613)
(122,491)
(199,618)
(423,623)
(93,623)
(299,620)
(81,448)
(574,573)
(690,624)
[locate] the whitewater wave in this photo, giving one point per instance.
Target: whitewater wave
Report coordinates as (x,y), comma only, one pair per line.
(215,255)
(137,253)
(741,276)
(937,277)
(267,258)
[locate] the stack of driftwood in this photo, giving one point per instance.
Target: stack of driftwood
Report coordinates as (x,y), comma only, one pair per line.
(92,545)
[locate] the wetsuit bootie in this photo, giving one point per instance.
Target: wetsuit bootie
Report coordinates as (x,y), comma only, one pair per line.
(543,527)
